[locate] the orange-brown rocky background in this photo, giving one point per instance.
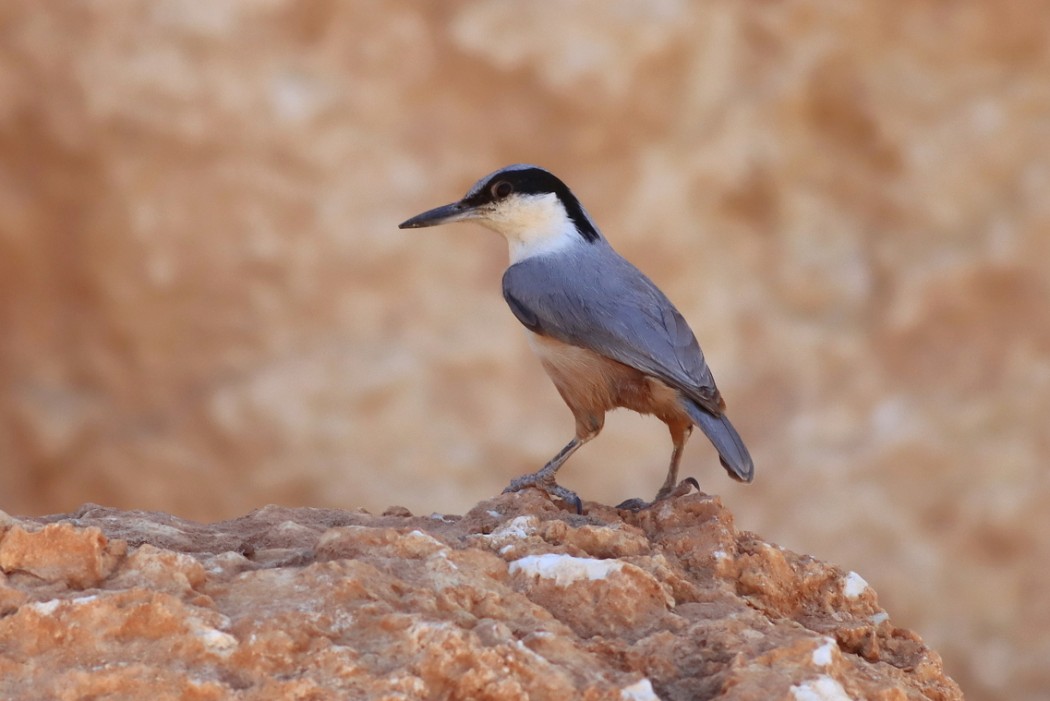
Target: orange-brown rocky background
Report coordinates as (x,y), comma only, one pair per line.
(206,306)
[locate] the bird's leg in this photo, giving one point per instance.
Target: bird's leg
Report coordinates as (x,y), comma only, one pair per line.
(670,488)
(679,435)
(544,477)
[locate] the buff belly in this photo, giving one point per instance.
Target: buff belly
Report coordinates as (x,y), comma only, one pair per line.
(592,384)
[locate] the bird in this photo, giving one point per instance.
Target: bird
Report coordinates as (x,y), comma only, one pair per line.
(604,332)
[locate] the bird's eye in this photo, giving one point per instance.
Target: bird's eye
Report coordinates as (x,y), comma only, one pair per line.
(502,189)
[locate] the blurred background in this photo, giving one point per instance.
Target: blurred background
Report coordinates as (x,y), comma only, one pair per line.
(206,305)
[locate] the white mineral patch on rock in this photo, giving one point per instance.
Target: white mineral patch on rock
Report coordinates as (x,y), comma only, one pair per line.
(641,690)
(853,585)
(565,569)
(823,688)
(823,655)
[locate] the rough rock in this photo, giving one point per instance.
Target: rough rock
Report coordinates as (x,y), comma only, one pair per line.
(517,599)
(205,304)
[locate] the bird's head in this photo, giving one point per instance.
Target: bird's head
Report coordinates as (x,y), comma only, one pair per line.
(534,210)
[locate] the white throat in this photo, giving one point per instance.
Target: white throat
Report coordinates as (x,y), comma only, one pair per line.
(533,225)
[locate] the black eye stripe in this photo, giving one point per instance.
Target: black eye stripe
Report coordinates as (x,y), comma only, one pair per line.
(536,181)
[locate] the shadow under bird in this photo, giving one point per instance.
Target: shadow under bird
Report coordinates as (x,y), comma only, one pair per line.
(605,334)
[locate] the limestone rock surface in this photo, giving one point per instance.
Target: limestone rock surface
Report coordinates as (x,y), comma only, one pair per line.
(205,303)
(515,600)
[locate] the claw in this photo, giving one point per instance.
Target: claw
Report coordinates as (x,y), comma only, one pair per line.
(549,487)
(679,491)
(633,504)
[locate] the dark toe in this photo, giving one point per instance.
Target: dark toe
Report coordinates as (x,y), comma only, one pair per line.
(566,495)
(548,487)
(633,504)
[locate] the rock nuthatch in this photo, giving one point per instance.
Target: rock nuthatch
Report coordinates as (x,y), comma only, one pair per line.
(605,334)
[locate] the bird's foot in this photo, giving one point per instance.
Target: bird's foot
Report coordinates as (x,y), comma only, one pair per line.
(546,484)
(680,490)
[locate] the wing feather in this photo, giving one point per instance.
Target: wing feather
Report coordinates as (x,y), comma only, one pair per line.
(601,302)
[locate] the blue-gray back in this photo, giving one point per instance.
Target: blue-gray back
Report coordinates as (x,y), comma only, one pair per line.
(590,296)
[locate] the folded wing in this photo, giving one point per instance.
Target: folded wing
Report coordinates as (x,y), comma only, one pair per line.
(603,303)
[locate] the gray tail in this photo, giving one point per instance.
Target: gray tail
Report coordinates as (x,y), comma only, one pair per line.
(731,450)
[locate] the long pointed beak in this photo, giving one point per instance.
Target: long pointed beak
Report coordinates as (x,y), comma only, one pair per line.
(457,211)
